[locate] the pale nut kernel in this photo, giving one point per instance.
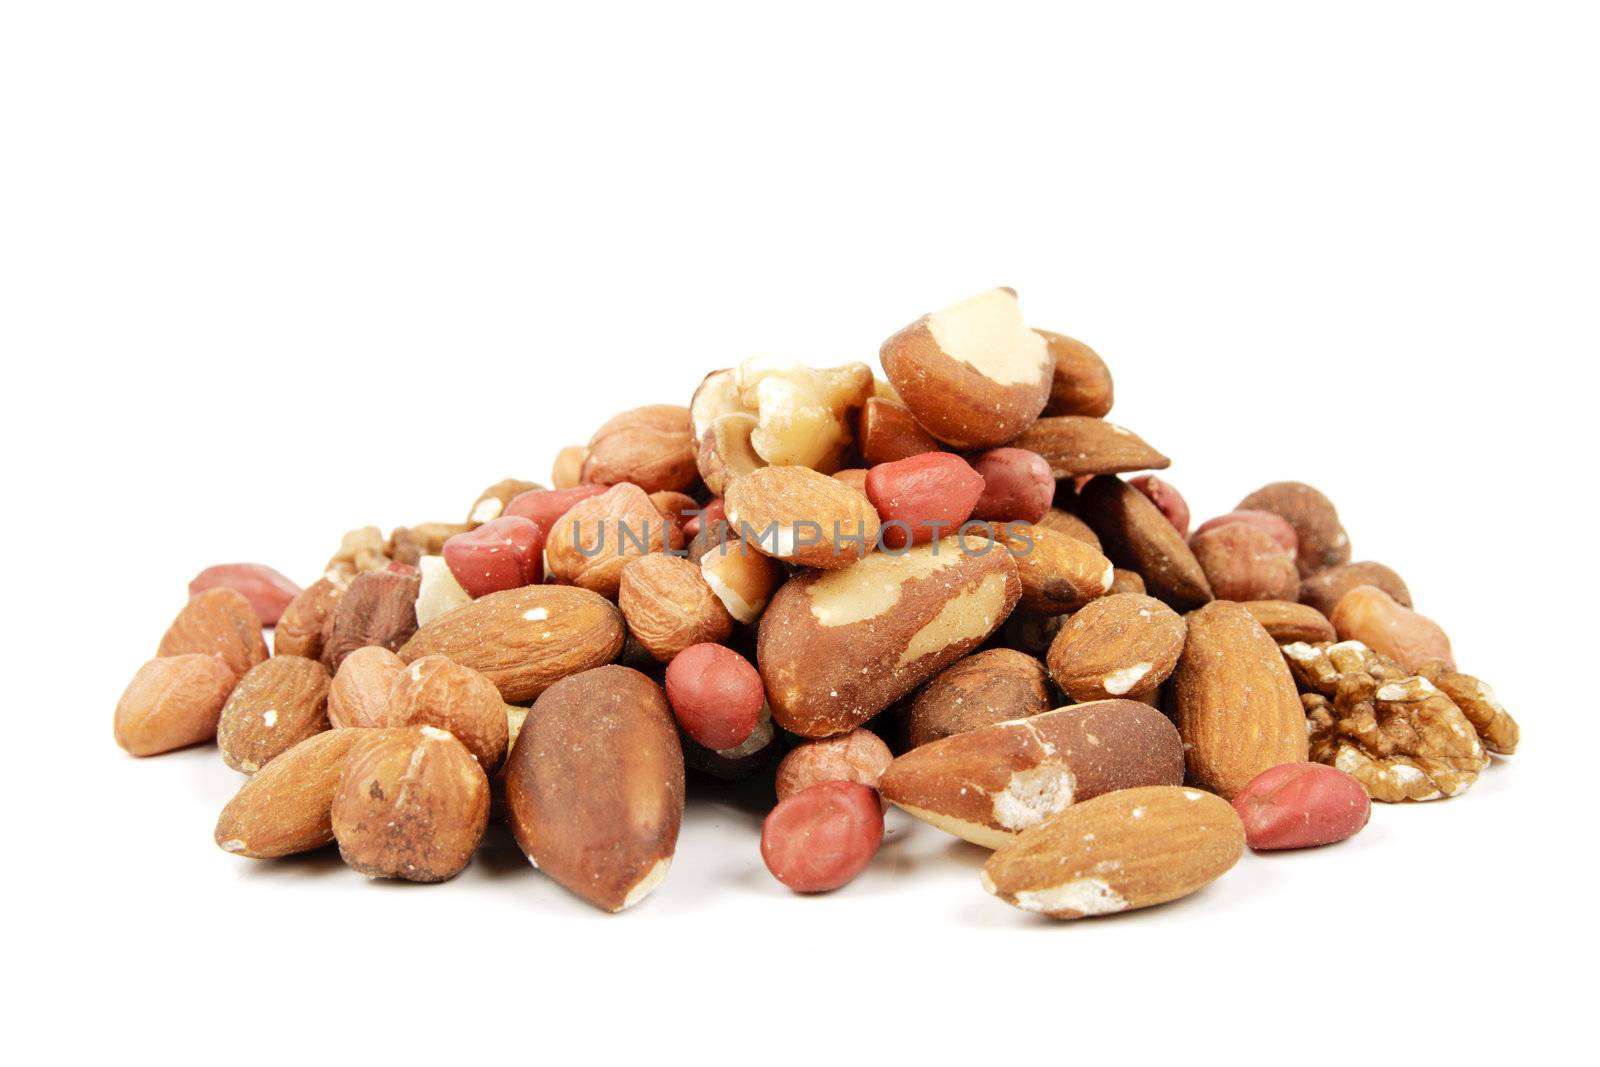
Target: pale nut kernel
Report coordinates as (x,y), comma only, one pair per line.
(434,691)
(567,471)
(803,414)
(1371,616)
(742,578)
(668,605)
(653,447)
(439,591)
(596,539)
(172,702)
(491,503)
(725,453)
(858,756)
(359,694)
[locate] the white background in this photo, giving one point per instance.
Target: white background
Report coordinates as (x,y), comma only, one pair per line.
(274,271)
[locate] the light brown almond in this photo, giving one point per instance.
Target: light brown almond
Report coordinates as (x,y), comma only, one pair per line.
(299,629)
(1289,622)
(1121,645)
(800,516)
(1125,850)
(288,807)
(173,702)
(276,706)
(668,605)
(1238,709)
(524,640)
(1076,445)
(1137,536)
(217,622)
(1058,573)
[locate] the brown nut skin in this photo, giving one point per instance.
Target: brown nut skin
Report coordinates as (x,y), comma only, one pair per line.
(412,804)
(299,629)
(359,695)
(1371,616)
(288,807)
(986,391)
(594,540)
(1137,536)
(1289,622)
(524,640)
(769,508)
(858,756)
(1017,486)
(1242,563)
(379,608)
(1065,522)
(1081,384)
(1123,645)
(820,838)
(1324,591)
(1029,633)
(595,786)
(669,605)
(1165,496)
(996,685)
(217,622)
(1238,709)
(1266,521)
(280,703)
(653,447)
(173,702)
(435,691)
(837,647)
(1075,446)
(1322,540)
(1126,581)
(1131,849)
(989,784)
(889,432)
(1058,573)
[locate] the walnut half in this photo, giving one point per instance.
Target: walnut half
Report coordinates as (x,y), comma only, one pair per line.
(1397,734)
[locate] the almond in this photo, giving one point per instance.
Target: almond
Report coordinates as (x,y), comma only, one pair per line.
(668,605)
(595,788)
(990,784)
(359,695)
(1075,445)
(1121,645)
(1289,622)
(1067,523)
(1082,383)
(973,374)
(596,538)
(173,702)
(836,648)
(288,806)
(800,516)
(217,622)
(1322,542)
(299,629)
(1137,536)
(1058,573)
(1238,709)
(411,803)
(379,608)
(1129,849)
(997,685)
(525,640)
(276,706)
(435,691)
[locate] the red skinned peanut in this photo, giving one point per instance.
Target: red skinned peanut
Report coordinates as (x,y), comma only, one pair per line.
(716,695)
(931,494)
(1167,500)
(503,553)
(546,506)
(1280,530)
(1017,486)
(268,591)
(823,836)
(1301,805)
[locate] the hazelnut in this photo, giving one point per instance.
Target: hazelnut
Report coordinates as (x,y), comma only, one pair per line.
(858,756)
(360,692)
(435,691)
(1242,562)
(652,447)
(669,606)
(596,539)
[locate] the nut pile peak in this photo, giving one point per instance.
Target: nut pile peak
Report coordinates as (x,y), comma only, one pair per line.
(957,596)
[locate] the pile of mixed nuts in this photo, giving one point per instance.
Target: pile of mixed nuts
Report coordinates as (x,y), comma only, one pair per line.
(933,591)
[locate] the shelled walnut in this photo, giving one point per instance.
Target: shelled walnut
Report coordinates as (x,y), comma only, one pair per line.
(1394,732)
